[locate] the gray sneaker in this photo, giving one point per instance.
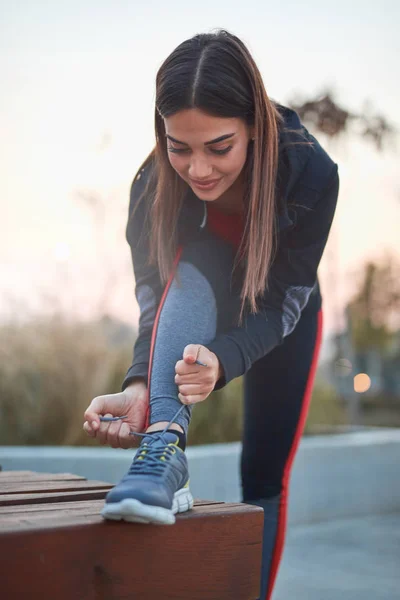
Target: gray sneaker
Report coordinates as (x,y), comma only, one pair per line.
(156,486)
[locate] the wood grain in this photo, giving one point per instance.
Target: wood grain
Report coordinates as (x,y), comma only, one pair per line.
(211,553)
(26,476)
(86,494)
(51,531)
(61,506)
(42,487)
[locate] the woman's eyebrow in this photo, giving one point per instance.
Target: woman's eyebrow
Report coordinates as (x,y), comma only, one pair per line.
(215,141)
(219,139)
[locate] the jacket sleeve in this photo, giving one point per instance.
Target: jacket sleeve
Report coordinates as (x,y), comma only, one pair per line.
(291,280)
(148,286)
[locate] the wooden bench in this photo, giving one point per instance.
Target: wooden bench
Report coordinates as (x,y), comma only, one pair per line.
(54,545)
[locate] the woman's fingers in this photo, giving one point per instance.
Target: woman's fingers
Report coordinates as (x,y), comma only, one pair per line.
(113,434)
(205,379)
(103,430)
(182,368)
(204,376)
(191,353)
(93,411)
(87,428)
(125,440)
(189,378)
(195,383)
(192,399)
(192,389)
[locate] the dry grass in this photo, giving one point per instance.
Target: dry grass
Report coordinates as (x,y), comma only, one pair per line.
(219,418)
(51,369)
(326,410)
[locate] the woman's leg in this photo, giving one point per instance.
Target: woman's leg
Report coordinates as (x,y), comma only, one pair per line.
(191,312)
(277,395)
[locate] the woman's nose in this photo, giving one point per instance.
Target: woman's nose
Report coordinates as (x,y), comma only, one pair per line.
(199,169)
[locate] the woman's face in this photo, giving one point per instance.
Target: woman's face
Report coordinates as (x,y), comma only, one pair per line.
(207,152)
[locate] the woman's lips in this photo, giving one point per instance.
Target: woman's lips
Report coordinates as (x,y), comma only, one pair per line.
(207,185)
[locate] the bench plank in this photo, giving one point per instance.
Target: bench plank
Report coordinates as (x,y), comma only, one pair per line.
(90,512)
(15,499)
(25,476)
(65,549)
(78,505)
(212,552)
(42,487)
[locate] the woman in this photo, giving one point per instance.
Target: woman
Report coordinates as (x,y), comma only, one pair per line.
(229,217)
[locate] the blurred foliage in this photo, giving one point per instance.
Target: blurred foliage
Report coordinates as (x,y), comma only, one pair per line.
(51,369)
(326,413)
(374,311)
(325,115)
(219,419)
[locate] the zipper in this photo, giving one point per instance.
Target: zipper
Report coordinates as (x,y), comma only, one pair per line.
(205,214)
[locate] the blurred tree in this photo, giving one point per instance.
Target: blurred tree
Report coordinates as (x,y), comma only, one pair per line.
(374,311)
(323,114)
(326,116)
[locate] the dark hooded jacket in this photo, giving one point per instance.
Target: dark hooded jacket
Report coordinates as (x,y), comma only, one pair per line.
(308,185)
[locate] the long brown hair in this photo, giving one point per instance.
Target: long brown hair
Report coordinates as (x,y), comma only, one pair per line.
(216,73)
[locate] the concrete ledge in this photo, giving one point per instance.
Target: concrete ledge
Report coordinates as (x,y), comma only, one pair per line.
(334,476)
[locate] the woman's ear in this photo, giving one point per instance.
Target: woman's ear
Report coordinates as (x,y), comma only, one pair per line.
(251,133)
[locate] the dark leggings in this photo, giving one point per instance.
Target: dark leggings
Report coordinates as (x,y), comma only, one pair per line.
(277,388)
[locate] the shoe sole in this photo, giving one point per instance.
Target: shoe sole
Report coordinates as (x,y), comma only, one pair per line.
(134,511)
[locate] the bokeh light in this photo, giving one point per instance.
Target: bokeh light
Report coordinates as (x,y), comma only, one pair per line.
(362,383)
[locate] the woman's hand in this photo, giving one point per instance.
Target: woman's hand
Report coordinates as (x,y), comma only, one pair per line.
(132,403)
(196,382)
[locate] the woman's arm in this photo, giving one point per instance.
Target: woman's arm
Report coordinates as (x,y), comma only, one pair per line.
(148,288)
(291,280)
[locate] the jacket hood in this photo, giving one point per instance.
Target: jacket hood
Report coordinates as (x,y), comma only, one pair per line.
(295,147)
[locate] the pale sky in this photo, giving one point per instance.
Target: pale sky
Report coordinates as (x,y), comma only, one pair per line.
(76,116)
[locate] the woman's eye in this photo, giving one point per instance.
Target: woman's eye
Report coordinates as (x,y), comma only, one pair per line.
(223,151)
(177,150)
(186,150)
